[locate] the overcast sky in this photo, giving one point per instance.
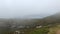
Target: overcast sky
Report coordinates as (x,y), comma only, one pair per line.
(21,8)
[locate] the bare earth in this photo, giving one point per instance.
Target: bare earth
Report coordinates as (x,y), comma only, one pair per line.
(58,32)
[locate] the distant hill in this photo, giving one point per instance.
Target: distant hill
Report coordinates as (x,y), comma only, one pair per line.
(49,20)
(53,19)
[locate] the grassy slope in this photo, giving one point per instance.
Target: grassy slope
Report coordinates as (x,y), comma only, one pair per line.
(43,30)
(46,30)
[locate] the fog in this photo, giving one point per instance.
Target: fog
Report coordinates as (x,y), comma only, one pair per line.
(23,8)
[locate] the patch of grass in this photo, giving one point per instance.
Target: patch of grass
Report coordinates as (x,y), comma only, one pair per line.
(43,30)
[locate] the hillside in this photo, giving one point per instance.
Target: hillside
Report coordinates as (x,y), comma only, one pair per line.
(50,20)
(30,24)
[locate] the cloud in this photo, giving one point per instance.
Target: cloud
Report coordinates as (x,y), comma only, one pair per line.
(16,8)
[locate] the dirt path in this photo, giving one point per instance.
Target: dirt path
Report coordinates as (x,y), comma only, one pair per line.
(58,32)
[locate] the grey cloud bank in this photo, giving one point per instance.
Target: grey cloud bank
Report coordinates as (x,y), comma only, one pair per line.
(21,8)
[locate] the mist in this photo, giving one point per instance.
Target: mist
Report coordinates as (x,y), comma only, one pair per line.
(24,8)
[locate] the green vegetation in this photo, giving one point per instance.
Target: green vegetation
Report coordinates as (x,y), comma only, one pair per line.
(43,30)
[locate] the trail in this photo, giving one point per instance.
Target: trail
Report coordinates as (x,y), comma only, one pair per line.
(58,32)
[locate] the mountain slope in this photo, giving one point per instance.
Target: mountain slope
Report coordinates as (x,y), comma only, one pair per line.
(53,19)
